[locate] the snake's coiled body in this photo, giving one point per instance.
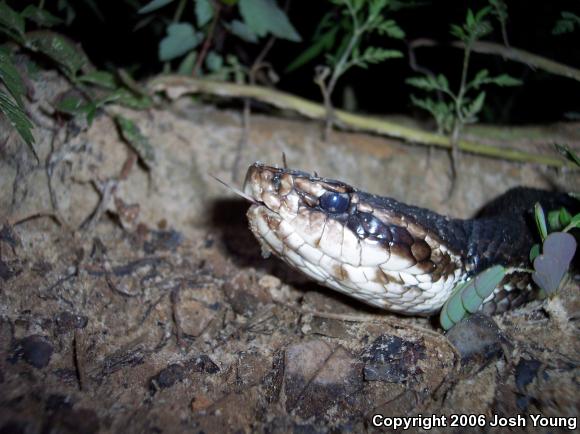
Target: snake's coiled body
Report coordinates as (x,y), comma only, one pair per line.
(385,253)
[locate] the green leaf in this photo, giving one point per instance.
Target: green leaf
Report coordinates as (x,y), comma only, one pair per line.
(40,16)
(17,118)
(565,217)
(568,153)
(127,98)
(391,28)
(505,80)
(574,223)
(554,221)
(482,13)
(70,58)
(324,43)
(540,220)
(242,31)
(441,112)
(11,21)
(470,111)
(214,61)
(153,6)
(70,105)
(203,12)
(180,39)
(559,219)
(187,64)
(264,16)
(479,79)
(74,105)
(534,252)
(135,138)
(103,79)
(458,32)
(64,5)
(500,9)
(374,55)
(10,77)
(566,24)
(429,82)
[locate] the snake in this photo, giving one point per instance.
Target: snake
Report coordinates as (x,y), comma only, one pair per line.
(385,253)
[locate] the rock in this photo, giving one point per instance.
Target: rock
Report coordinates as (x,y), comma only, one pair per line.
(57,401)
(392,359)
(318,377)
(478,340)
(526,372)
(203,364)
(66,322)
(35,350)
(194,316)
(73,421)
(168,377)
(163,241)
(8,270)
(245,295)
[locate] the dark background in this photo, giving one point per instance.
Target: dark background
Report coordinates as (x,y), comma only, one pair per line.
(111,41)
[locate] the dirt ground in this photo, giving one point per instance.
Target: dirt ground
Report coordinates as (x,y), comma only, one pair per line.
(135,299)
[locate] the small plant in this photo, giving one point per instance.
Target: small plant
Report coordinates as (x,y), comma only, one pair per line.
(552,260)
(11,104)
(191,41)
(358,19)
(94,89)
(567,23)
(456,109)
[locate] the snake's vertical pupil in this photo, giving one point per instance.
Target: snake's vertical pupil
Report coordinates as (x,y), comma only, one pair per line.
(335,203)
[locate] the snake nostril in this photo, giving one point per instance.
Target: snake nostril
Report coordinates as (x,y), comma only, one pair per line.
(276,181)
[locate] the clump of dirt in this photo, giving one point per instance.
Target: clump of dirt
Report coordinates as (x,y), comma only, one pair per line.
(136,299)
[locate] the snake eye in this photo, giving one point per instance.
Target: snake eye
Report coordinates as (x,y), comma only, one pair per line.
(335,203)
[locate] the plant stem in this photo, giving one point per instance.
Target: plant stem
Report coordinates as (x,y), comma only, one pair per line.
(458,122)
(208,39)
(179,11)
(338,70)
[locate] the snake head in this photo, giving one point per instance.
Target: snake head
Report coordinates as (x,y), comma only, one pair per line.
(345,239)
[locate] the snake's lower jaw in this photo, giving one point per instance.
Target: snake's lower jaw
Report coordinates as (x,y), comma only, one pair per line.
(258,216)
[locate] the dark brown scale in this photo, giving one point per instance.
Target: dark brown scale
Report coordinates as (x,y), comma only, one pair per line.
(444,261)
(449,269)
(338,272)
(427,266)
(403,251)
(401,235)
(421,250)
